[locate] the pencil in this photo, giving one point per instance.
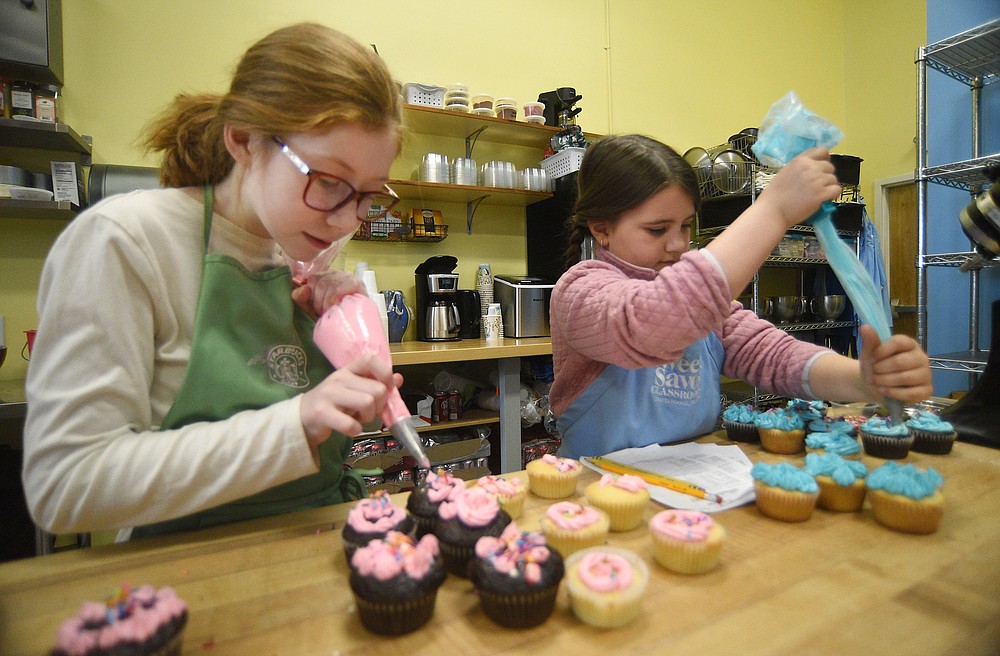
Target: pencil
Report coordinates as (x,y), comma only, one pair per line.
(662,480)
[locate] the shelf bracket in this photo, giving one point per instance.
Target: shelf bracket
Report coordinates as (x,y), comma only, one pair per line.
(470,211)
(470,141)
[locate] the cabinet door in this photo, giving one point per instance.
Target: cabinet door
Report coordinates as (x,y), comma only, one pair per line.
(31,40)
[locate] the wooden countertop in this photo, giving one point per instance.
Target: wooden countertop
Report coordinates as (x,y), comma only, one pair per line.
(404,353)
(835,584)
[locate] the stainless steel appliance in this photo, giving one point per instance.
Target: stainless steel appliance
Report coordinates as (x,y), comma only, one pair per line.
(524,305)
(438,319)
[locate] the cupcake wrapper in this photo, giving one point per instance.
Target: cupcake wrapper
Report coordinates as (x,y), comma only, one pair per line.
(904,514)
(396,617)
(568,543)
(608,610)
(883,446)
(554,488)
(840,498)
(781,441)
(741,432)
(686,557)
(456,558)
(933,443)
(785,505)
(513,505)
(425,525)
(519,611)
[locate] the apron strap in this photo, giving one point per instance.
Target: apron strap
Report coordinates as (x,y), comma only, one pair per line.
(209,192)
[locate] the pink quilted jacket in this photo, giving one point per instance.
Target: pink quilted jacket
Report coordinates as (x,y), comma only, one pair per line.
(608,311)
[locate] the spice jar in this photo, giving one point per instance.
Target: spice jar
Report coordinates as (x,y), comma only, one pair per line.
(45,102)
(22,99)
(4,97)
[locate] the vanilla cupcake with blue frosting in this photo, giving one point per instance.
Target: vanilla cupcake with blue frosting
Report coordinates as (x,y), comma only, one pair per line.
(843,445)
(884,439)
(931,434)
(781,431)
(906,498)
(784,491)
(841,482)
(738,420)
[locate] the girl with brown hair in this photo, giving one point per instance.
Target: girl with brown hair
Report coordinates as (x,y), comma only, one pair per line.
(642,333)
(175,383)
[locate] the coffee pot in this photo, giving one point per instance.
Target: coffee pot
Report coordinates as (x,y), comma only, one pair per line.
(438,319)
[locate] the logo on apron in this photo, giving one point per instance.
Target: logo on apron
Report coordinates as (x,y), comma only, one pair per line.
(678,383)
(286,365)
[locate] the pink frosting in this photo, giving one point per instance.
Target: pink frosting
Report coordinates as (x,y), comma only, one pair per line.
(375,514)
(443,486)
(134,616)
(604,572)
(626,482)
(501,486)
(685,525)
(397,553)
(515,553)
(473,507)
(562,464)
(571,516)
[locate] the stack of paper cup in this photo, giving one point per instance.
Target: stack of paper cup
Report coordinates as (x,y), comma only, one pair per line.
(484,285)
(367,276)
(493,323)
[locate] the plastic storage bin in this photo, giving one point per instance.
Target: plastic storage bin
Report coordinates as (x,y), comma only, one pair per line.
(423,94)
(563,163)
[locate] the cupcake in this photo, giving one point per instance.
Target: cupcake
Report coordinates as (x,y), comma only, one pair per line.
(553,477)
(623,498)
(737,419)
(807,409)
(373,518)
(142,621)
(931,434)
(569,527)
(606,586)
(509,492)
(843,445)
(424,500)
(784,491)
(884,439)
(841,482)
(473,513)
(516,577)
(831,425)
(905,498)
(854,421)
(686,541)
(395,582)
(781,431)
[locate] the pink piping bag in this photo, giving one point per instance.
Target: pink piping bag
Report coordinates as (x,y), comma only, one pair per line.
(351,329)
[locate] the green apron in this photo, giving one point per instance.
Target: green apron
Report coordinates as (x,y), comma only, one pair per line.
(253,347)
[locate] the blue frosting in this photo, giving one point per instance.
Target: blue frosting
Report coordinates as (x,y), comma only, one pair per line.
(930,422)
(844,472)
(906,480)
(806,409)
(882,426)
(785,476)
(781,419)
(826,425)
(838,443)
(739,413)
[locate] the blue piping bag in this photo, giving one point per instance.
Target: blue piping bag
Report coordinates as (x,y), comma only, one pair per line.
(787,130)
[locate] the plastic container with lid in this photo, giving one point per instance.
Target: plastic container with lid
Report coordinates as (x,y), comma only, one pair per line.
(506,108)
(482,101)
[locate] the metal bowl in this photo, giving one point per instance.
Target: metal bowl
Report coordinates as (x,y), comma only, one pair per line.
(784,309)
(828,308)
(730,172)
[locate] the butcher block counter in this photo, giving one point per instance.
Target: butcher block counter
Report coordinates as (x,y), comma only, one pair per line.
(835,584)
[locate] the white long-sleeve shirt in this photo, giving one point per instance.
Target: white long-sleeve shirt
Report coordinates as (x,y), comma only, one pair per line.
(116,305)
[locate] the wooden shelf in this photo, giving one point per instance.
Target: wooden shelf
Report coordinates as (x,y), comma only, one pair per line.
(470,417)
(451,193)
(36,209)
(42,136)
(465,350)
(459,125)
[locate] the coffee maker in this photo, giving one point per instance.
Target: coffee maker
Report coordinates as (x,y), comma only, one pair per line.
(438,319)
(559,110)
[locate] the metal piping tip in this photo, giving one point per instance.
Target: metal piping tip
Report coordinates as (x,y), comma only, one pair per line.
(403,431)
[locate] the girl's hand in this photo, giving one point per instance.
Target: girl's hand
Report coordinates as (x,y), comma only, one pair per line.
(323,290)
(897,368)
(799,188)
(347,398)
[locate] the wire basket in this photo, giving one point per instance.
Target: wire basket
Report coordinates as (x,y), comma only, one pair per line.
(396,231)
(563,163)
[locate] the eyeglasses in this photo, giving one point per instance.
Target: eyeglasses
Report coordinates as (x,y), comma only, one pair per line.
(328,193)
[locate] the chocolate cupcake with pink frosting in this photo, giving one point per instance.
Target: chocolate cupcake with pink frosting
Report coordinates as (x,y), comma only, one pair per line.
(424,500)
(395,582)
(472,514)
(372,519)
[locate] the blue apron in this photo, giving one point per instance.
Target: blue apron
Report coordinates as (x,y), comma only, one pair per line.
(625,408)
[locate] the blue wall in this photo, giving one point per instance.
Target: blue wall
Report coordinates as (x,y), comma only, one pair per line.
(948,140)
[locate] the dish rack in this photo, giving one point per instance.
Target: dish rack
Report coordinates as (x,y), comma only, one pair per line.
(733,169)
(394,231)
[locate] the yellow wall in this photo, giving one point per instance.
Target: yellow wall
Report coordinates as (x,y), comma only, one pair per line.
(689,73)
